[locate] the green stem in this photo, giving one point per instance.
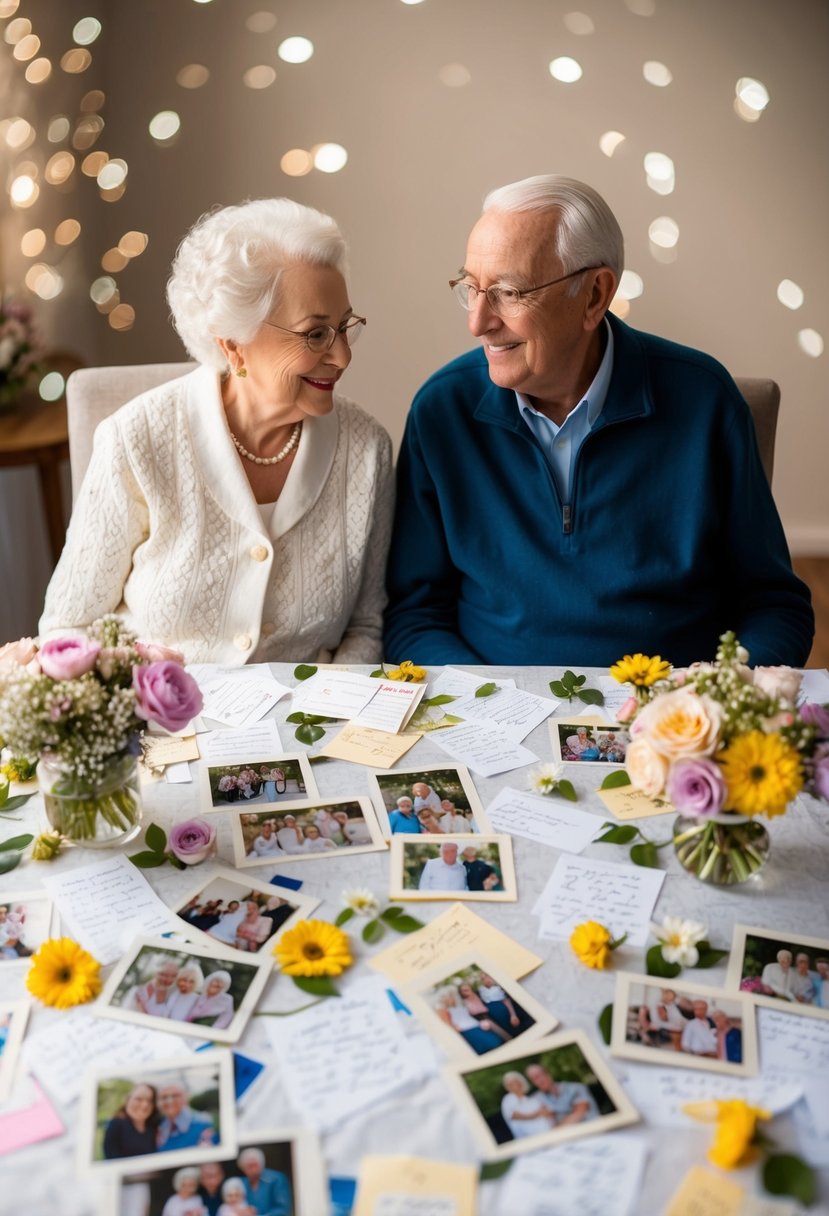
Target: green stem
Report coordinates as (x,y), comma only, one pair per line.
(287,1013)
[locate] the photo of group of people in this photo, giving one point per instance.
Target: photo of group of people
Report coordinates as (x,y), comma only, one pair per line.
(463,867)
(530,1100)
(688,1025)
(259,782)
(586,743)
(203,994)
(305,829)
(24,925)
(430,801)
(773,969)
(242,914)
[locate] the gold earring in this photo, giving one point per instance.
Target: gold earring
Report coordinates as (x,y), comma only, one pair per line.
(241,371)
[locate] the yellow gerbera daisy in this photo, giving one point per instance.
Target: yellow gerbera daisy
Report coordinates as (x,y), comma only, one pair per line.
(63,974)
(313,947)
(407,672)
(762,774)
(736,1129)
(640,670)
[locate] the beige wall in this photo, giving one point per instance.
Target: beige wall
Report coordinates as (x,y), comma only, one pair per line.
(750,199)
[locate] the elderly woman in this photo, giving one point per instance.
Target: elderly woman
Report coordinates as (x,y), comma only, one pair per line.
(214,1006)
(242,513)
(524,1114)
(189,983)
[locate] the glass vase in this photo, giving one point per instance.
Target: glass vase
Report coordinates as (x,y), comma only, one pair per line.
(96,815)
(722,849)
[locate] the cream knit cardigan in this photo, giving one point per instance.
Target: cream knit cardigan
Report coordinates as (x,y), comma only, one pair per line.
(166,532)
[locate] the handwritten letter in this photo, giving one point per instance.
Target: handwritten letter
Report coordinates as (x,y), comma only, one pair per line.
(618,896)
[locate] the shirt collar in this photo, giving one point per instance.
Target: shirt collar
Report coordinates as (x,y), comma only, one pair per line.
(596,394)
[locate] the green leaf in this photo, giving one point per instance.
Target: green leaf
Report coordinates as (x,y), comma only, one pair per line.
(709,957)
(442,698)
(606,1023)
(591,696)
(614,780)
(567,790)
(316,985)
(558,690)
(486,690)
(379,674)
(17,842)
(345,916)
(620,835)
(9,860)
(295,717)
(645,855)
(147,860)
(319,759)
(304,671)
(12,804)
(156,838)
(572,681)
(494,1169)
(308,733)
(655,964)
(405,924)
(391,913)
(785,1174)
(373,931)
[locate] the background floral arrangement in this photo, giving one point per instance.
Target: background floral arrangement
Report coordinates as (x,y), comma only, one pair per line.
(19,350)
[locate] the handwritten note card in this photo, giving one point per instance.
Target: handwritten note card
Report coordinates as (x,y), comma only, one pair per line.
(618,896)
(595,1177)
(238,700)
(484,748)
(391,706)
(233,746)
(335,694)
(546,820)
(455,682)
(107,904)
(413,1186)
(626,802)
(704,1193)
(661,1093)
(341,1056)
(798,1044)
(517,712)
(375,748)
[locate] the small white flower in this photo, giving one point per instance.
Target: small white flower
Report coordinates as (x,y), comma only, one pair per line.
(361,901)
(545,778)
(679,938)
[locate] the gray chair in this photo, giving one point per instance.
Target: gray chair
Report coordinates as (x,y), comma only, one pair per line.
(763,397)
(93,393)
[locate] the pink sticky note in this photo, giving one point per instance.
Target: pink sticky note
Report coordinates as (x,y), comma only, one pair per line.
(28,1118)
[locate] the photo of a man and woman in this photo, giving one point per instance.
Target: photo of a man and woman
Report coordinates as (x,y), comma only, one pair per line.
(452,867)
(535,1099)
(259,782)
(184,990)
(430,801)
(684,1025)
(781,971)
(300,831)
(588,743)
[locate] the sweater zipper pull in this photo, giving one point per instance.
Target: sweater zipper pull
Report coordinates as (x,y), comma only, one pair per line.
(566,518)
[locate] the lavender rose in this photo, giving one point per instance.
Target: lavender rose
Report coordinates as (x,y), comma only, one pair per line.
(166,694)
(192,841)
(68,658)
(816,715)
(696,787)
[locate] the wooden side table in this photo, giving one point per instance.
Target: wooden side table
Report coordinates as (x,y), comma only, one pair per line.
(34,432)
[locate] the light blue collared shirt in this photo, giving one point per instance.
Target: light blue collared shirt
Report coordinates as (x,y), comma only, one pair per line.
(560,443)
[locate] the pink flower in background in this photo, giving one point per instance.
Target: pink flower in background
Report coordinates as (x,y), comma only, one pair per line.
(166,694)
(697,787)
(627,711)
(153,653)
(68,658)
(815,715)
(783,682)
(192,841)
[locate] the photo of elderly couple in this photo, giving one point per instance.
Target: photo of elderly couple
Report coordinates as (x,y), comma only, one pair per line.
(460,866)
(157,1111)
(256,782)
(259,1181)
(430,801)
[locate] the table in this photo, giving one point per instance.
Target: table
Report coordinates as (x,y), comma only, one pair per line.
(427,1122)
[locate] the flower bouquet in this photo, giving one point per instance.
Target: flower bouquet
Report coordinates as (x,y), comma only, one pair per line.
(19,350)
(724,743)
(79,704)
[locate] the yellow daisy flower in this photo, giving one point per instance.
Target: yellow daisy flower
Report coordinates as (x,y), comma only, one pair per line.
(640,670)
(762,774)
(313,947)
(407,672)
(63,974)
(590,942)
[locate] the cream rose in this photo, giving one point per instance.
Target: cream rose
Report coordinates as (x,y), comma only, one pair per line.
(782,682)
(645,767)
(681,723)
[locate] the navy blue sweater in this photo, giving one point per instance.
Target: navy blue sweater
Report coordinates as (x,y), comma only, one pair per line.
(670,537)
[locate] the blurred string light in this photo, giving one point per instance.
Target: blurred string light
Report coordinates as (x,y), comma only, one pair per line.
(261,76)
(76,61)
(87,131)
(17,133)
(192,76)
(33,242)
(454,75)
(59,168)
(297,162)
(44,281)
(329,158)
(67,231)
(751,100)
(631,285)
(122,316)
(260,23)
(295,50)
(58,129)
(663,234)
(20,28)
(810,342)
(565,69)
(113,174)
(790,294)
(641,8)
(165,126)
(92,165)
(657,74)
(92,101)
(24,191)
(38,71)
(51,387)
(104,293)
(113,261)
(26,48)
(86,31)
(132,244)
(579,23)
(610,141)
(659,172)
(8,8)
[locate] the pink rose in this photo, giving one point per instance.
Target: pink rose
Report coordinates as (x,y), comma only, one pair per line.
(782,682)
(153,653)
(628,710)
(680,723)
(21,652)
(166,694)
(645,767)
(192,841)
(68,658)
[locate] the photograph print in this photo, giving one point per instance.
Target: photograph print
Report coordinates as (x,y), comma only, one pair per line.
(468,867)
(25,924)
(234,913)
(13,1015)
(428,801)
(588,743)
(783,971)
(278,1171)
(263,782)
(170,1112)
(302,831)
(183,989)
(558,1090)
(472,1007)
(683,1025)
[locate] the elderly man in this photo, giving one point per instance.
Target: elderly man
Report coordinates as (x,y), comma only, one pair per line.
(181,1126)
(268,1192)
(575,490)
(570,1101)
(802,985)
(444,873)
(699,1036)
(403,821)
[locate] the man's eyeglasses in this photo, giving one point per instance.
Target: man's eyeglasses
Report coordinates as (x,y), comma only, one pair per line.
(505,301)
(321,337)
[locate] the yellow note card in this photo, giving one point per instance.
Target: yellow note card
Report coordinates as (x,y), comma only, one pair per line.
(398,1186)
(361,745)
(702,1193)
(626,802)
(456,931)
(160,750)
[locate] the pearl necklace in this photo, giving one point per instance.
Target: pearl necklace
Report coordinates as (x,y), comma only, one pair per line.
(280,455)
